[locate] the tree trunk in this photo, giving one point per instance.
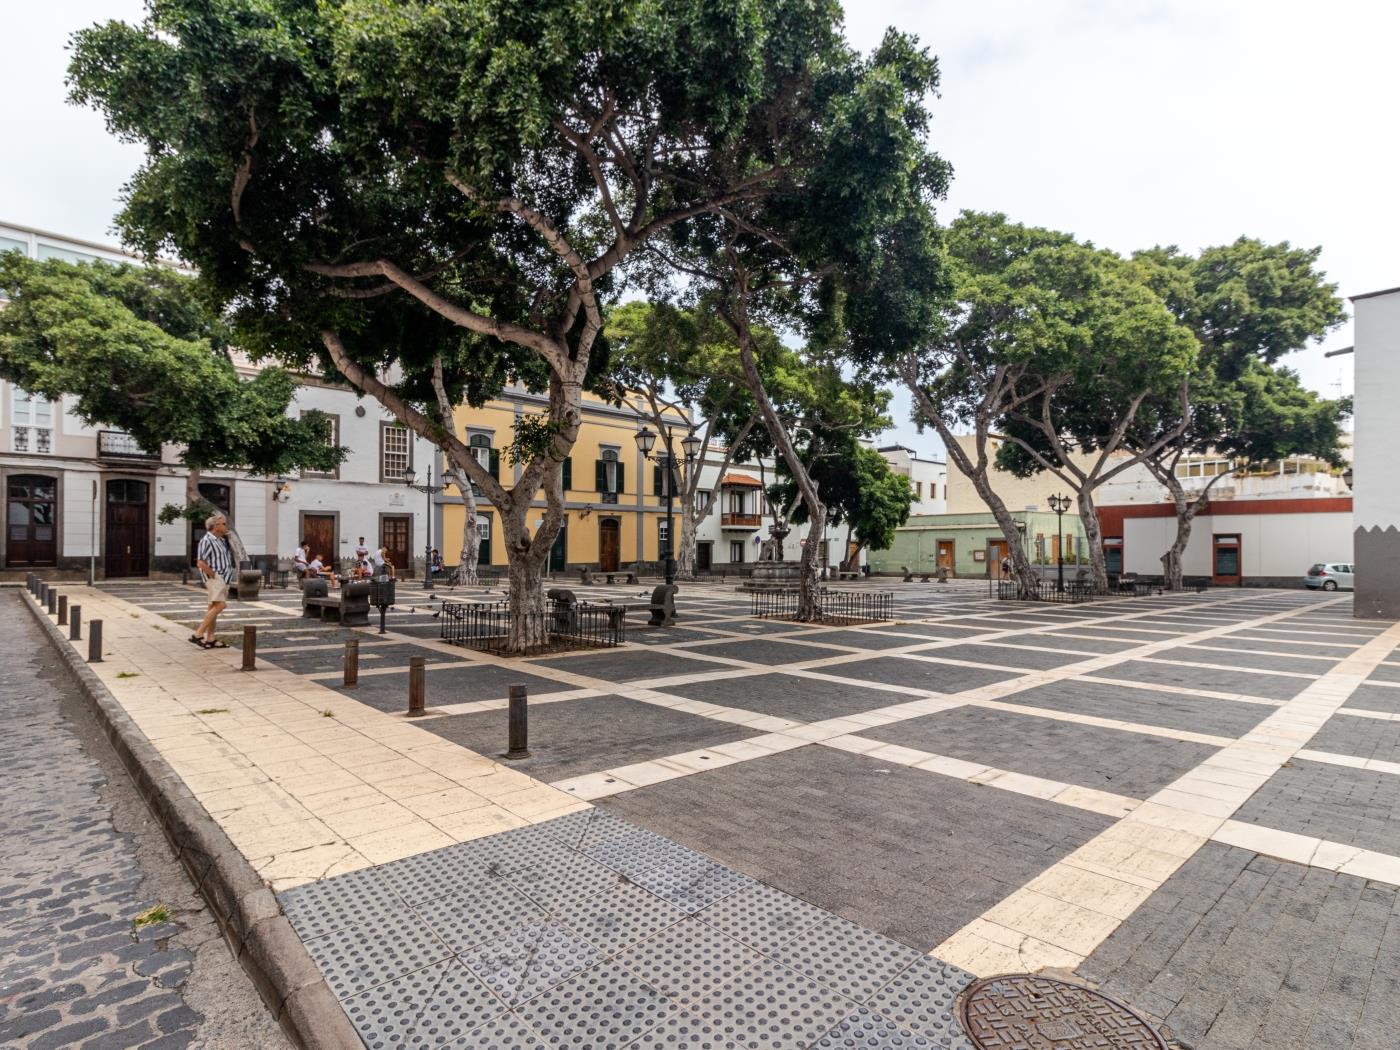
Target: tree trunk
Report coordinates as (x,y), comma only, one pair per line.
(192,476)
(471,542)
(1173,574)
(685,557)
(1093,538)
(527,558)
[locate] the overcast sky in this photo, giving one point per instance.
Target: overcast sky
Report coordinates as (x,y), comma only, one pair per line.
(1186,122)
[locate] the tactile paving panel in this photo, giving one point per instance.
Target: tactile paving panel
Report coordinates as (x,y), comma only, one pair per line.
(429,1007)
(618,918)
(510,851)
(530,960)
(427,875)
(683,1031)
(770,1007)
(689,960)
(484,912)
(922,999)
(319,908)
(693,882)
(865,1030)
(504,1033)
(638,851)
(360,957)
(588,827)
(762,917)
(604,1006)
(1018,1010)
(559,880)
(848,958)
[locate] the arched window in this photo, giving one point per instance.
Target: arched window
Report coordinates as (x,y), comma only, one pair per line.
(610,475)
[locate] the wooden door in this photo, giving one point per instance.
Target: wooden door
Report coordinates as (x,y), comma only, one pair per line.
(128,548)
(609,545)
(1225,559)
(395,536)
(221,496)
(31,521)
(319,533)
(996,553)
(945,554)
(704,556)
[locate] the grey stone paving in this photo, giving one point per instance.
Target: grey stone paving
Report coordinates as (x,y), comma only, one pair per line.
(621,964)
(1238,952)
(767,651)
(1147,706)
(1262,661)
(1131,764)
(74,970)
(1375,698)
(1007,655)
(629,666)
(787,696)
(447,685)
(918,674)
(1358,807)
(1220,680)
(1359,736)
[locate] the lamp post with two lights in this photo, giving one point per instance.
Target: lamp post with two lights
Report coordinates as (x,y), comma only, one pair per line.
(690,444)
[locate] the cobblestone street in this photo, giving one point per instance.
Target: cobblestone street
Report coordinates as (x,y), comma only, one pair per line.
(80,858)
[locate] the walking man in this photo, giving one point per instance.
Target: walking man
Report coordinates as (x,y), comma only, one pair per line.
(215,561)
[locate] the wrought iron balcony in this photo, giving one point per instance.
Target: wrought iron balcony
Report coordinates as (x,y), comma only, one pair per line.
(748,522)
(117,444)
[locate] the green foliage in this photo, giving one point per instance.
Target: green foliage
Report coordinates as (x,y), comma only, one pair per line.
(195,511)
(137,351)
(859,490)
(534,436)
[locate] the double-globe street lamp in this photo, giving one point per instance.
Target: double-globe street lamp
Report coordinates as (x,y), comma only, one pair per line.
(431,490)
(1059,504)
(646,441)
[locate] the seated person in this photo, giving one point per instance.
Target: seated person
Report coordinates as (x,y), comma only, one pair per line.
(317,567)
(301,558)
(436,562)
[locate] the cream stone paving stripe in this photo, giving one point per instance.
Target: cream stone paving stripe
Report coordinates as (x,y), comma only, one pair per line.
(1183,690)
(1313,852)
(307,783)
(1035,928)
(1363,712)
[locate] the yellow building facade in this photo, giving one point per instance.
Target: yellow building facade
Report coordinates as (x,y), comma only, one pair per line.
(614,503)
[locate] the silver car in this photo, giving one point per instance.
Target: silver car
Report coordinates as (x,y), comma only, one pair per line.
(1330,576)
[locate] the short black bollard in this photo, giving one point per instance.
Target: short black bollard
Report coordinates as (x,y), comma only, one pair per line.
(43,593)
(250,648)
(29,579)
(352,661)
(417,685)
(53,603)
(519,740)
(75,623)
(62,610)
(95,642)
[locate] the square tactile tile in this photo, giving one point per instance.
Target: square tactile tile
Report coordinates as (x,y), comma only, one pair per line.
(430,1007)
(604,1006)
(619,918)
(518,848)
(922,998)
(865,1030)
(848,958)
(683,1031)
(319,908)
(359,957)
(689,960)
(638,851)
(530,960)
(588,827)
(504,1033)
(771,1007)
(480,913)
(558,880)
(427,875)
(763,917)
(691,883)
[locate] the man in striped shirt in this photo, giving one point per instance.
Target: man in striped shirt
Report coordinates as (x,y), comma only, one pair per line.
(215,561)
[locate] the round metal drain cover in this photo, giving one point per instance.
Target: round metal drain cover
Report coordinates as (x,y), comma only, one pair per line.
(1024,1012)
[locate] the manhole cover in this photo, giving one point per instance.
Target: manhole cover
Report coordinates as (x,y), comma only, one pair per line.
(1023,1012)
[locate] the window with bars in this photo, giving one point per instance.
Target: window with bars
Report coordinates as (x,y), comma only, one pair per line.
(333,441)
(32,419)
(395,453)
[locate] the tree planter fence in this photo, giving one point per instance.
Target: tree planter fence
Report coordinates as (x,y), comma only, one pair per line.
(485,626)
(833,607)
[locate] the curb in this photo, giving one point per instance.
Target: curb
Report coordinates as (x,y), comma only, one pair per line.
(258,934)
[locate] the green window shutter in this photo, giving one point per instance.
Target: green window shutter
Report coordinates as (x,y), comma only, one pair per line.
(657,482)
(600,479)
(495,467)
(568,474)
(621,479)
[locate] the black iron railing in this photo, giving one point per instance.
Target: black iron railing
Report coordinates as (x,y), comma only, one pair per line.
(561,627)
(833,607)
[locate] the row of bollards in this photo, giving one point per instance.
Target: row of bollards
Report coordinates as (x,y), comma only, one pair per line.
(70,616)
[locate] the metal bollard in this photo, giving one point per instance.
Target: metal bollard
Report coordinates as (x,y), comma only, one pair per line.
(29,579)
(43,592)
(352,662)
(62,610)
(417,685)
(75,623)
(95,642)
(519,741)
(250,648)
(53,603)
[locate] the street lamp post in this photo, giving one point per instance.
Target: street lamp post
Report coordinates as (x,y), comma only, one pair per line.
(646,441)
(1059,504)
(429,490)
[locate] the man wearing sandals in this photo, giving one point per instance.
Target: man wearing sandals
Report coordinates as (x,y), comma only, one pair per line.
(215,561)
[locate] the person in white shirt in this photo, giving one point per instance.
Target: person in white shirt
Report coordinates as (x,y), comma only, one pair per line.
(301,557)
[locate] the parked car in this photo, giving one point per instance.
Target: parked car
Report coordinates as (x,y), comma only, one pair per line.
(1331,576)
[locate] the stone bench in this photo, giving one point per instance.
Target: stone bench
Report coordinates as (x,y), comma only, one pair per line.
(349,605)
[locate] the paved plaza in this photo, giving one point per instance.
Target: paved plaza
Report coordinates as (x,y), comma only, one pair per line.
(754,833)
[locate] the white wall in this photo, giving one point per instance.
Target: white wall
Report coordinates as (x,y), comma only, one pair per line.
(1272,545)
(1377,428)
(76,508)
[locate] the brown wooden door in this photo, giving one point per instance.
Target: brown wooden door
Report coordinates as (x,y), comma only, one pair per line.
(319,532)
(704,556)
(996,551)
(128,549)
(1226,556)
(395,536)
(31,521)
(945,555)
(609,545)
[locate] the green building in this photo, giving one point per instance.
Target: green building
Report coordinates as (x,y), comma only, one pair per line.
(972,545)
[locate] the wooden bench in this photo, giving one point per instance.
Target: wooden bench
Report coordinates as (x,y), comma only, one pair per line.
(349,605)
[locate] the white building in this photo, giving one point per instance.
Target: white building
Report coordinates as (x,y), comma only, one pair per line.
(928,476)
(1377,518)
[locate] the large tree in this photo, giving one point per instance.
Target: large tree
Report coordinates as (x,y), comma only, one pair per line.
(136,349)
(359,176)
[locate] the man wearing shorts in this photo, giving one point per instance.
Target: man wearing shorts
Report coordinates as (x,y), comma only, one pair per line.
(215,561)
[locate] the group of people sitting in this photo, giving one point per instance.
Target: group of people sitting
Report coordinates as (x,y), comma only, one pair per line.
(368,565)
